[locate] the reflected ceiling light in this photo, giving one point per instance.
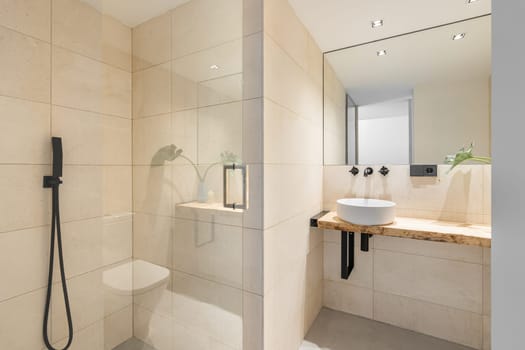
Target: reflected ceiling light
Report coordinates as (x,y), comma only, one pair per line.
(471,1)
(381,53)
(377,23)
(458,36)
(214,66)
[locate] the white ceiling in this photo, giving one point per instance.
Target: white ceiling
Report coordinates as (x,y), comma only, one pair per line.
(335,24)
(388,109)
(134,12)
(429,56)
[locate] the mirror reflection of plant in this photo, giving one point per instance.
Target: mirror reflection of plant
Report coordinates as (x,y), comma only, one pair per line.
(172,152)
(463,155)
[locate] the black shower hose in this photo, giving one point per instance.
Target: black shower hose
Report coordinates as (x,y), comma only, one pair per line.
(55,223)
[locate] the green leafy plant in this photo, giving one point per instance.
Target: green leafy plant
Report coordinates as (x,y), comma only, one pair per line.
(172,152)
(465,154)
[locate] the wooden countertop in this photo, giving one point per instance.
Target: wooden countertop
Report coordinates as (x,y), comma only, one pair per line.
(422,229)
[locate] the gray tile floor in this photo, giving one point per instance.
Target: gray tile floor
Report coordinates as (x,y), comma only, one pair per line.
(334,330)
(133,344)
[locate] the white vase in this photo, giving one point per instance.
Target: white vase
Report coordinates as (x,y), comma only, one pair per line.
(202,192)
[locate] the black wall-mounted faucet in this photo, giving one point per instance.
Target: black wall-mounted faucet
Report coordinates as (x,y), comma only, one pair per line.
(368,171)
(354,171)
(384,171)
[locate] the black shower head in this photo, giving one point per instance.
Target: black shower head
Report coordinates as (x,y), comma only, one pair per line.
(57,156)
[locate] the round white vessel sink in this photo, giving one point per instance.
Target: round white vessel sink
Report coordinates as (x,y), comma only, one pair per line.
(362,211)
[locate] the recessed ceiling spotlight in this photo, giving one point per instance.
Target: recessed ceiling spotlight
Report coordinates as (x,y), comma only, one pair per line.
(458,36)
(377,23)
(214,66)
(381,53)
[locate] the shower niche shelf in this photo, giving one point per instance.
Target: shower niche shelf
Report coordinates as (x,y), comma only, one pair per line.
(209,212)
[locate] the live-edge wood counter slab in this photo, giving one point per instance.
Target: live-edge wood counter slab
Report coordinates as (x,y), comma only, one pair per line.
(422,229)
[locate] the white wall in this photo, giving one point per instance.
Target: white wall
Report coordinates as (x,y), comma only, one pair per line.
(383,133)
(508,126)
(448,116)
(384,140)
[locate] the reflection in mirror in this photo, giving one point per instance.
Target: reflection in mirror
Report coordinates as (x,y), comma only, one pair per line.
(423,98)
(383,130)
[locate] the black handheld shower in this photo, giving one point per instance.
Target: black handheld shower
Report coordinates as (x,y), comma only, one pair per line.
(54,182)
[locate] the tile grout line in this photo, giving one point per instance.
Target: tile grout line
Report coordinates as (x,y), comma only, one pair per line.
(290,57)
(51,44)
(430,302)
(57,282)
(230,41)
(189,109)
(296,115)
(373,279)
(197,108)
(110,65)
(51,56)
(25,34)
(62,221)
(132,153)
(51,105)
(47,103)
(435,257)
(98,113)
(200,277)
(421,255)
(95,322)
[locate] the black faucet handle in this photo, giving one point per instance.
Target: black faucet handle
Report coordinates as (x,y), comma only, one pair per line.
(354,171)
(384,171)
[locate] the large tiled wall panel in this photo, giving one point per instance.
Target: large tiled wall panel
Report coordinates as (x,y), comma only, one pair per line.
(197,85)
(439,289)
(292,164)
(65,70)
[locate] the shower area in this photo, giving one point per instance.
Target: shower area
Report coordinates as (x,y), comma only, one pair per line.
(152,101)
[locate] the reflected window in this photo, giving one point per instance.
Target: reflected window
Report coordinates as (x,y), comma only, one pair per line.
(384,130)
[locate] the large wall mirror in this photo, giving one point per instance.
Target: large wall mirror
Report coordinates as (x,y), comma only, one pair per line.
(413,98)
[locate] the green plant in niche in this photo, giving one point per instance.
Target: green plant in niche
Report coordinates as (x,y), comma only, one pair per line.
(171,152)
(465,154)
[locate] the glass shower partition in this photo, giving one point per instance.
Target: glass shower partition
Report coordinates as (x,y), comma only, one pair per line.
(187,148)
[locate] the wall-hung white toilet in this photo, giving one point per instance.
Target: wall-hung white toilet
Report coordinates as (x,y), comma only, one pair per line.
(138,278)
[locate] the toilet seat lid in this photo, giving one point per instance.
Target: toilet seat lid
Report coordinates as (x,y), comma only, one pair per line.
(135,277)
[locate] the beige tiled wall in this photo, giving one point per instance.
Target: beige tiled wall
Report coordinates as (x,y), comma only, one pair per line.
(434,288)
(292,166)
(463,195)
(65,70)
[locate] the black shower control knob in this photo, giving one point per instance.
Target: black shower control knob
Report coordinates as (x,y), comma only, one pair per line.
(354,171)
(384,171)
